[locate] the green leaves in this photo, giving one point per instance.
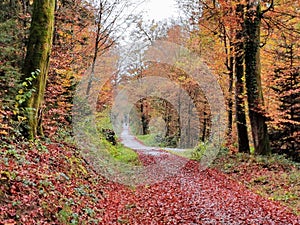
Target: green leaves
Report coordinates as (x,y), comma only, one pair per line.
(199,151)
(26,90)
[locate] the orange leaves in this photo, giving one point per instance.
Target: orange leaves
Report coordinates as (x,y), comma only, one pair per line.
(71,54)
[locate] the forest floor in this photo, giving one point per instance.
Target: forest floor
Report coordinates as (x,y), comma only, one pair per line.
(51,184)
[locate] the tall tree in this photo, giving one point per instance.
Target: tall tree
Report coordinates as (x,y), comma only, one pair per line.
(287,87)
(110,17)
(37,61)
(282,65)
(243,139)
(284,92)
(253,77)
(225,19)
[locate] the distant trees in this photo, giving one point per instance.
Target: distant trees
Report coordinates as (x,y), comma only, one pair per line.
(180,120)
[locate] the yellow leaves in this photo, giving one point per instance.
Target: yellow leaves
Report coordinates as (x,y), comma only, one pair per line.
(4,128)
(66,76)
(5,175)
(153,27)
(3,132)
(76,166)
(60,71)
(181,78)
(64,34)
(65,73)
(22,118)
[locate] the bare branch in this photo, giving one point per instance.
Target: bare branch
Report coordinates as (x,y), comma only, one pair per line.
(271,7)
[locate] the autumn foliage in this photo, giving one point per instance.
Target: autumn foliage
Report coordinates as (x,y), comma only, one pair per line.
(46,179)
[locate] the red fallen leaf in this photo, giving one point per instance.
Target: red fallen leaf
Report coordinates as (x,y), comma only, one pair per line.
(189,197)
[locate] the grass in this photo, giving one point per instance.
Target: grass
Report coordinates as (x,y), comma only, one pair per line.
(119,152)
(195,153)
(103,119)
(186,153)
(148,140)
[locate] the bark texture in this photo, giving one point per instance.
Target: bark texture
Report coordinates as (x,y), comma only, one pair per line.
(37,58)
(241,122)
(253,78)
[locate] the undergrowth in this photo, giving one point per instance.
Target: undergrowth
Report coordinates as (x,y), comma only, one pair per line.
(275,177)
(47,183)
(118,151)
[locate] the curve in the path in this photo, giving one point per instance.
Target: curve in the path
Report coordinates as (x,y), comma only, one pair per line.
(195,196)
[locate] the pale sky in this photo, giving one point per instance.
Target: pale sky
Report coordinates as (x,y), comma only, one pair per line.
(160,9)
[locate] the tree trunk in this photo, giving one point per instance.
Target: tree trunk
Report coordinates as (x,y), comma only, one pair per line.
(253,78)
(229,62)
(230,96)
(203,138)
(241,123)
(144,118)
(37,58)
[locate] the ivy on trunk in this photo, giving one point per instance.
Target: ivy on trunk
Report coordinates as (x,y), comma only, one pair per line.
(37,59)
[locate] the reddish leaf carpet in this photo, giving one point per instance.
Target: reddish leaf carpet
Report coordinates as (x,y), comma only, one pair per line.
(190,196)
(193,197)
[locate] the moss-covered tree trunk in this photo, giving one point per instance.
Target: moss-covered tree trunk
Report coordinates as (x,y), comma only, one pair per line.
(37,58)
(241,123)
(253,78)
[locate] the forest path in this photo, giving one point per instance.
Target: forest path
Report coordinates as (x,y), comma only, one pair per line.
(190,196)
(131,142)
